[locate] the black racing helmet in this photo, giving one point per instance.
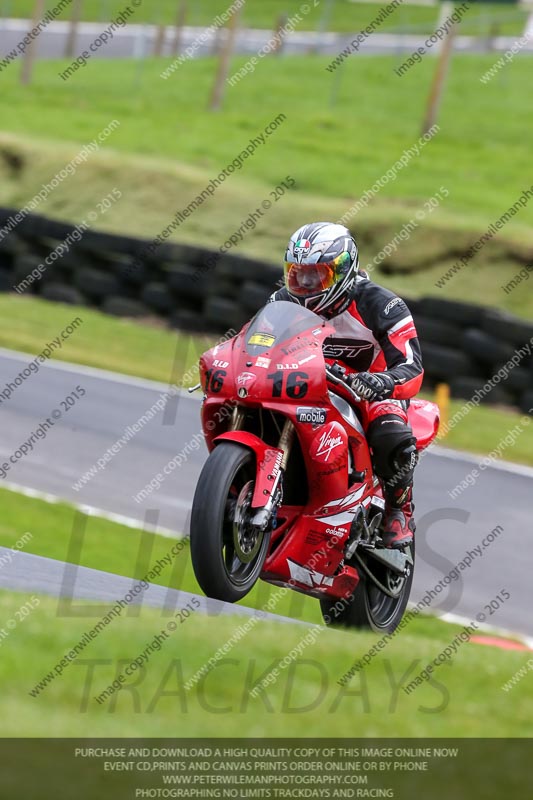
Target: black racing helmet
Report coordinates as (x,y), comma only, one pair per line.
(321,265)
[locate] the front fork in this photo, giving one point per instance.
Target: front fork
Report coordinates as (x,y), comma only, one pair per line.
(237,419)
(262,517)
(285,440)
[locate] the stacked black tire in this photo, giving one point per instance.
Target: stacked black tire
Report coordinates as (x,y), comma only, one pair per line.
(199,290)
(194,289)
(467,345)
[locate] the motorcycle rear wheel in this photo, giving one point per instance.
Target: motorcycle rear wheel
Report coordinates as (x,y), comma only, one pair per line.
(227,556)
(370,608)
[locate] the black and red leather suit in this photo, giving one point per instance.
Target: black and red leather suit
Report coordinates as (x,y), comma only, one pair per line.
(376,333)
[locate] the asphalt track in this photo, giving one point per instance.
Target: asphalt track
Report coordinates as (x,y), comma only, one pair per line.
(447,528)
(29,573)
(138,41)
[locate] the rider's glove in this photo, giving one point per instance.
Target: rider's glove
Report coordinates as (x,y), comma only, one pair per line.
(372,386)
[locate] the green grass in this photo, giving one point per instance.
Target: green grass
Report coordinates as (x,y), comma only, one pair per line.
(150,352)
(61,532)
(464,698)
(483,430)
(168,147)
(101,341)
(345,16)
(332,154)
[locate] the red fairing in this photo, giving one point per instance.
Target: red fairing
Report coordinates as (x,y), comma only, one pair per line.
(424,418)
(268,462)
(274,370)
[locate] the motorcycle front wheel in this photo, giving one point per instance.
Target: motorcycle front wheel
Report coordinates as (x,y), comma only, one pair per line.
(227,553)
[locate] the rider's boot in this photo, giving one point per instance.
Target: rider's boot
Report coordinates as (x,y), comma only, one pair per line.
(399,525)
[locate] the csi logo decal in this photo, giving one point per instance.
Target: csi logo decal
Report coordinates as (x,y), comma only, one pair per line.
(313,416)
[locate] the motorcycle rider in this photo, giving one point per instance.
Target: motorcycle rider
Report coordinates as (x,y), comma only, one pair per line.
(375,338)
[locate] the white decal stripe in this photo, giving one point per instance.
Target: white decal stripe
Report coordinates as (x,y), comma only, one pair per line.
(345,501)
(344,518)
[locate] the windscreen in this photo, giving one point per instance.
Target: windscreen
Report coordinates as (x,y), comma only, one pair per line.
(277,323)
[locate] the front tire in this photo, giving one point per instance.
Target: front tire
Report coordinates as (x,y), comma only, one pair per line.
(370,608)
(227,555)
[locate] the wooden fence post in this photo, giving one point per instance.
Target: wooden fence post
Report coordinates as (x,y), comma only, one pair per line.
(217,95)
(439,80)
(73,28)
(29,53)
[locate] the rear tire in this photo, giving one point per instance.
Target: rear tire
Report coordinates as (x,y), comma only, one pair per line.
(370,608)
(229,473)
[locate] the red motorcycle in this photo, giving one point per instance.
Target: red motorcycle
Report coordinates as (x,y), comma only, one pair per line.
(288,493)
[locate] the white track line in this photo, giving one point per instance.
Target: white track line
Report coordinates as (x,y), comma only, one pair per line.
(457,619)
(92,372)
(136,524)
(90,511)
(107,375)
(470,458)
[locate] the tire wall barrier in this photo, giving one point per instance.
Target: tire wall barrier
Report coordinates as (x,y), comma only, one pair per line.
(199,290)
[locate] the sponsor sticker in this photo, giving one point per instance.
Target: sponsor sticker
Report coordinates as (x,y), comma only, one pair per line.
(301,249)
(328,442)
(245,377)
(262,362)
(312,416)
(301,344)
(276,468)
(263,339)
(306,359)
(336,531)
(379,502)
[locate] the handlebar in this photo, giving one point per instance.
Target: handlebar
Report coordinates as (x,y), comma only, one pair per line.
(336,375)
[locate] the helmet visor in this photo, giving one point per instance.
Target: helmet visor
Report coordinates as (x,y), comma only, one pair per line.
(306,280)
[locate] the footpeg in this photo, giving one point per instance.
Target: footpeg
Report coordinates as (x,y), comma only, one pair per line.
(396,560)
(362,533)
